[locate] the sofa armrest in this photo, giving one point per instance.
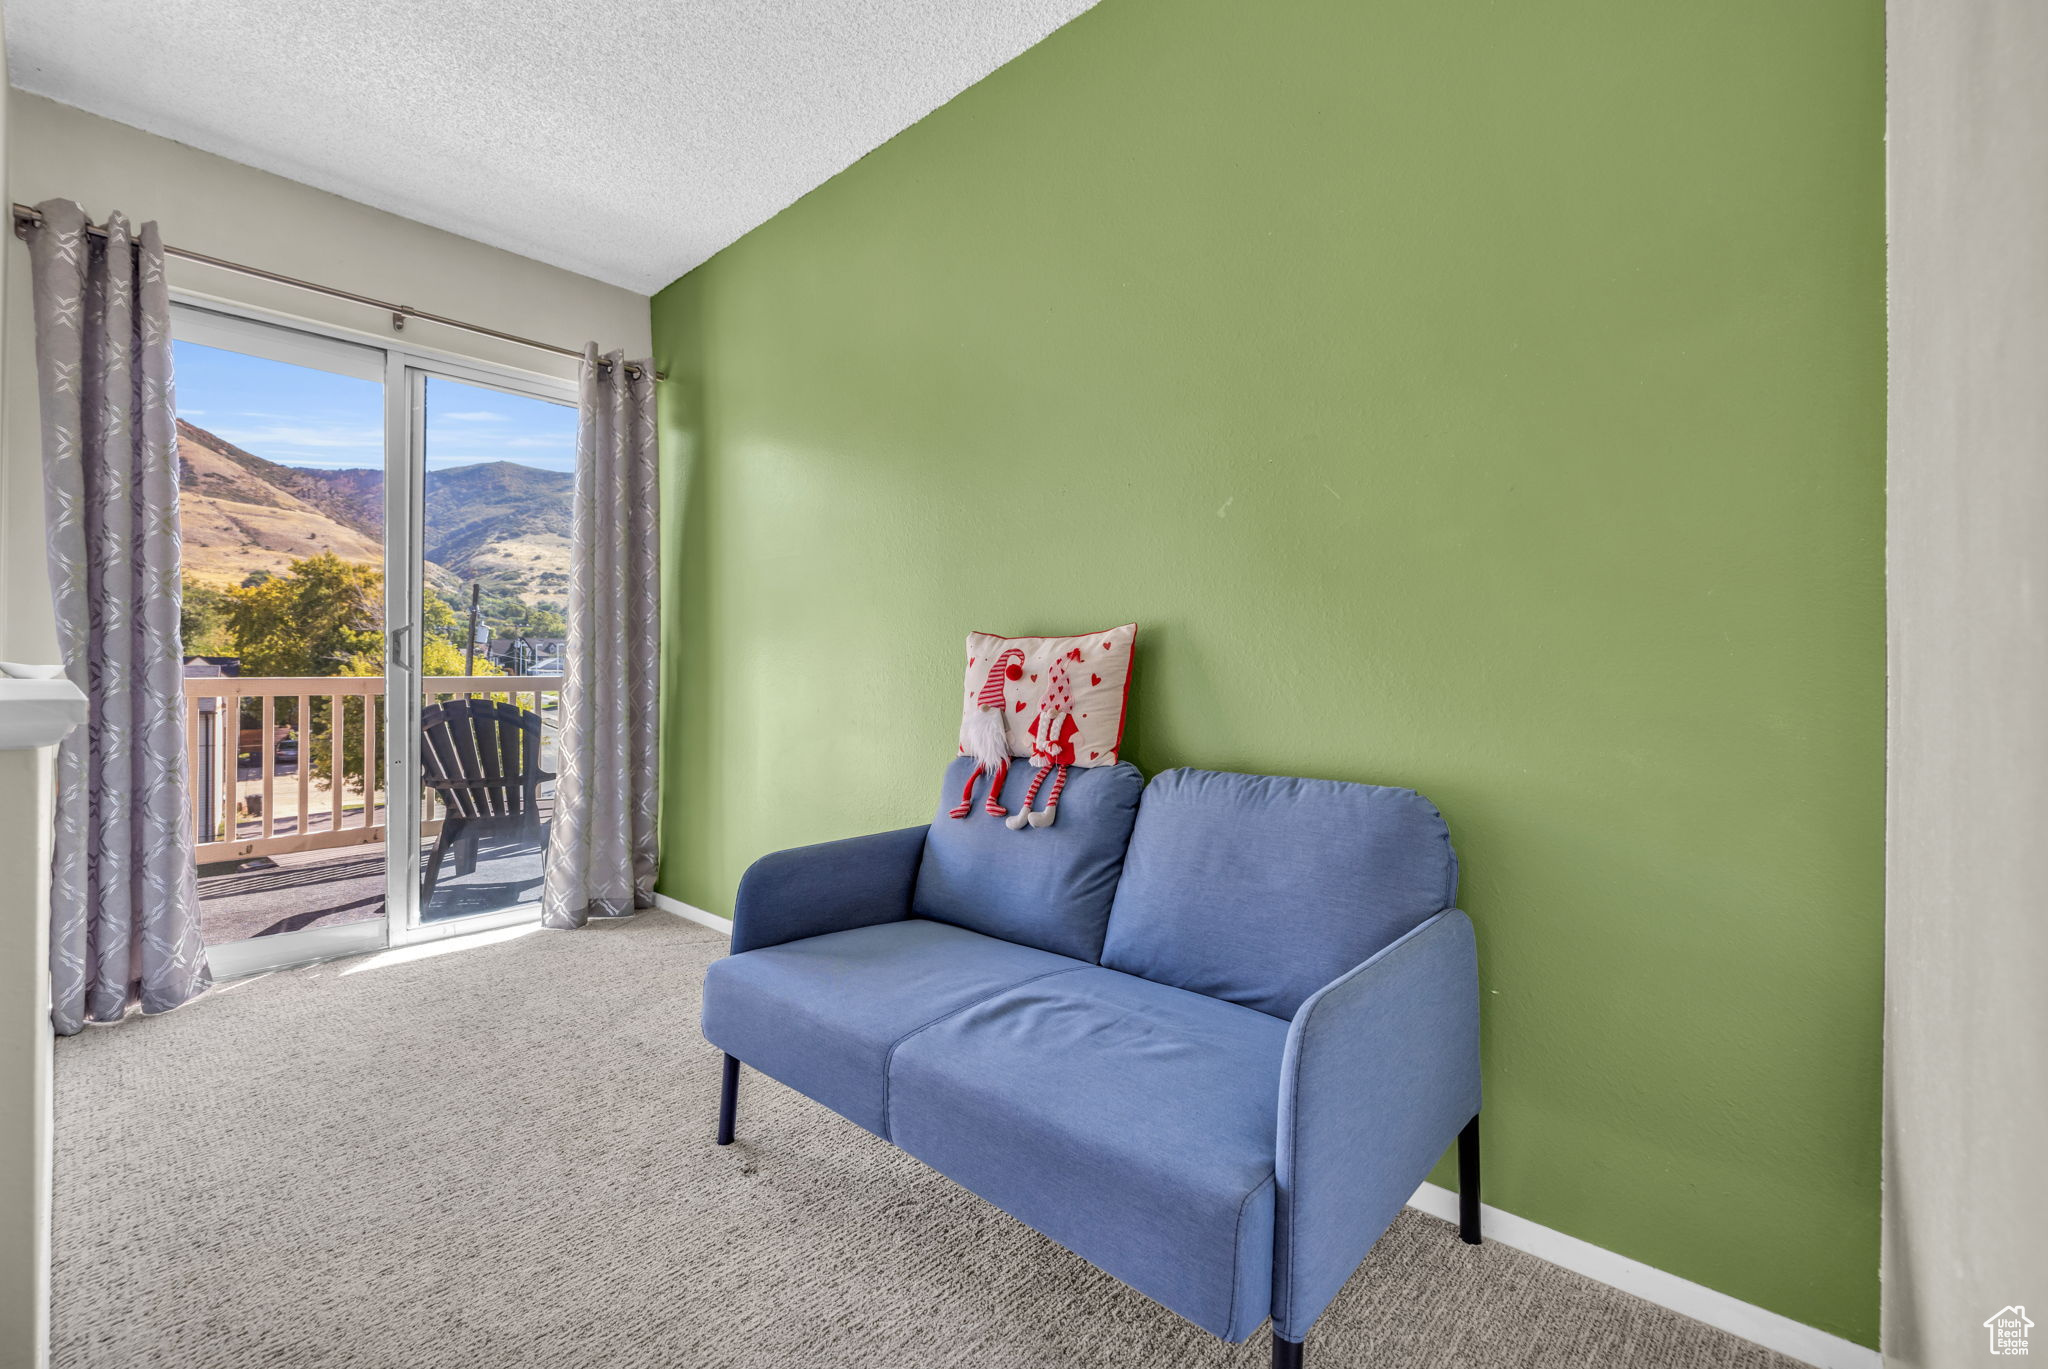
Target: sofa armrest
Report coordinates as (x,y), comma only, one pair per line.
(830,887)
(1381,1073)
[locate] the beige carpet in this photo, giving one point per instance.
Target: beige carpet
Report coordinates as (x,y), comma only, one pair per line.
(502,1157)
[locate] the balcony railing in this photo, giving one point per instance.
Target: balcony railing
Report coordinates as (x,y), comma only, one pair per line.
(242,809)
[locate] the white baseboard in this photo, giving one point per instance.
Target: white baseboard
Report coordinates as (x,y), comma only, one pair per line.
(1738,1318)
(689,913)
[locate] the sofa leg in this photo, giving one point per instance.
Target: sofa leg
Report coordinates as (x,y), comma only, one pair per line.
(1468,1182)
(728,1101)
(1286,1353)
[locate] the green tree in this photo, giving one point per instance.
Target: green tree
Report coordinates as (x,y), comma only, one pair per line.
(324,616)
(203,621)
(544,620)
(439,656)
(439,618)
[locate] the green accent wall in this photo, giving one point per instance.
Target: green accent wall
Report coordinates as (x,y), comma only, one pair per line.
(1485,398)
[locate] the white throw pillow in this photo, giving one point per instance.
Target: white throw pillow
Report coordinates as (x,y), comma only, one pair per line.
(1097,668)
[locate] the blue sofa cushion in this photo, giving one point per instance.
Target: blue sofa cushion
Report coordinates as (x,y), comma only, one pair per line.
(1048,887)
(1131,1122)
(1259,890)
(821,1014)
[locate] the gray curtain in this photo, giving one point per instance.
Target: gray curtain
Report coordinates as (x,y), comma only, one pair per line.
(124,909)
(601,852)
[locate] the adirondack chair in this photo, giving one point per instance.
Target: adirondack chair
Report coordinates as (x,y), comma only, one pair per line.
(483,759)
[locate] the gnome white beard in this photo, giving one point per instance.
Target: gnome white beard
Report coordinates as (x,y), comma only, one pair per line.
(984,737)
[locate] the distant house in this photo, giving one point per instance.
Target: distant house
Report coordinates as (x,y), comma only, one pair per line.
(546,646)
(519,655)
(213,667)
(2008,1328)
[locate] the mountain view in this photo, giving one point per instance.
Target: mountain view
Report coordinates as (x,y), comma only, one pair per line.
(241,514)
(498,522)
(502,523)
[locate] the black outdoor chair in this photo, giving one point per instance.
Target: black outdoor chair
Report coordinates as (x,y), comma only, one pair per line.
(483,759)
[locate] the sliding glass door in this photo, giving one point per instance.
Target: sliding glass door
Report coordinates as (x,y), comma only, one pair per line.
(282,476)
(375,560)
(497,472)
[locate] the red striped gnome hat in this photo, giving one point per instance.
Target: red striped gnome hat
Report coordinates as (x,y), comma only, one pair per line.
(1059,700)
(984,731)
(1008,666)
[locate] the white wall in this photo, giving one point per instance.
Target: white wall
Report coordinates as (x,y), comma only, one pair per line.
(24,1033)
(1966,924)
(226,210)
(24,1059)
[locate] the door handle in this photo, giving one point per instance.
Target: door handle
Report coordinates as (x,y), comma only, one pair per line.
(396,638)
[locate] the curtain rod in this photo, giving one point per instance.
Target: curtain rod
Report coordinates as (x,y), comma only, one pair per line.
(25,218)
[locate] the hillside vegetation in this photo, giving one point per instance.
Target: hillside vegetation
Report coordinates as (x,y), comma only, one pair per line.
(499,523)
(240,513)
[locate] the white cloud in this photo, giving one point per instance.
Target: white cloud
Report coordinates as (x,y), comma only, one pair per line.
(310,444)
(305,435)
(318,462)
(475,416)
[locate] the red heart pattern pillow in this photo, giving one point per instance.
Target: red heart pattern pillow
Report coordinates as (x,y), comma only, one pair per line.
(1097,668)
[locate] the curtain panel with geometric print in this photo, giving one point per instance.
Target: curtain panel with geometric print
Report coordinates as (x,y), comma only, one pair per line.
(124,909)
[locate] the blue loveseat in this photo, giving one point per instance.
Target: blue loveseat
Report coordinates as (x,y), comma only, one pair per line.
(1207,1033)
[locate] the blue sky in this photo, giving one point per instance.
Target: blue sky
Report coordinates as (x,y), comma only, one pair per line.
(298,416)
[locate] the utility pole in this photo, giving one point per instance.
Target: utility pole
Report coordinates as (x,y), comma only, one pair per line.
(469,652)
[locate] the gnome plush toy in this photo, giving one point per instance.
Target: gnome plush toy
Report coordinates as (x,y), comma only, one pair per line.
(984,735)
(1052,748)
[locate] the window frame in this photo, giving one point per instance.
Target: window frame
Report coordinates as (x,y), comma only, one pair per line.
(403,366)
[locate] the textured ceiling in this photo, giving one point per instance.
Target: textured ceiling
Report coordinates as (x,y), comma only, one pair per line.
(625,141)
